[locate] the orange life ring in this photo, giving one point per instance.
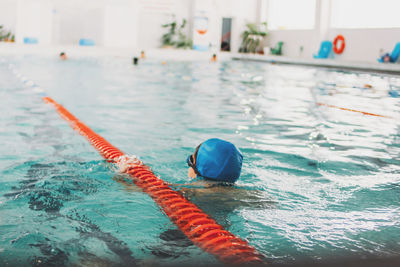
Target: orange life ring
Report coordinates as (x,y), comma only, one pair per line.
(339,50)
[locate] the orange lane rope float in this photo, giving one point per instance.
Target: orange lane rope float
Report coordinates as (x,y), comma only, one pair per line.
(353,110)
(200,228)
(339,39)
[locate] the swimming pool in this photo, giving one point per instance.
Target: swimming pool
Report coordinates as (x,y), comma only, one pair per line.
(318,182)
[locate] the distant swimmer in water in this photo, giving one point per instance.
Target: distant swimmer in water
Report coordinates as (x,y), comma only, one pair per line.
(216,160)
(63,56)
(214,58)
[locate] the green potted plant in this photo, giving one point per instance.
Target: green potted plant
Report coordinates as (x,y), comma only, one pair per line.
(167,38)
(253,37)
(2,34)
(183,41)
(175,36)
(6,36)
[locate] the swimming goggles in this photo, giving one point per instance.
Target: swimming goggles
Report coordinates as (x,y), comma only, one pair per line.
(190,163)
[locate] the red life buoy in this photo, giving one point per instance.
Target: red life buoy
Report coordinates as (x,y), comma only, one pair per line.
(336,49)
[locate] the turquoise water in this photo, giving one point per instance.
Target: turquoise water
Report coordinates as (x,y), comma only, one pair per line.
(318,183)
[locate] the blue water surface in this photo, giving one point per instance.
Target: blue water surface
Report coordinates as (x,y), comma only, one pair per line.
(317,183)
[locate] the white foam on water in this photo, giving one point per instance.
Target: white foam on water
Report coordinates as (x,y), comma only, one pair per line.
(124,162)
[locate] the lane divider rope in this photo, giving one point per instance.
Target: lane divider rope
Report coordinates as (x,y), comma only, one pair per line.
(353,110)
(200,228)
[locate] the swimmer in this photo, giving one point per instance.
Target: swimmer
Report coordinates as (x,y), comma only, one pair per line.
(214,58)
(63,56)
(142,55)
(216,160)
(220,163)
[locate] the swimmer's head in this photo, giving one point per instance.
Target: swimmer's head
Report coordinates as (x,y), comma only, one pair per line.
(216,159)
(63,55)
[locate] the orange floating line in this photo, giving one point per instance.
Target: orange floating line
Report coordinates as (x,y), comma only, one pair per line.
(353,110)
(200,228)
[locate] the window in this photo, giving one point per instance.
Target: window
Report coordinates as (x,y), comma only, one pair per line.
(365,14)
(291,14)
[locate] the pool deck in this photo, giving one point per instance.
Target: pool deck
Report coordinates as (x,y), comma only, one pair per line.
(390,68)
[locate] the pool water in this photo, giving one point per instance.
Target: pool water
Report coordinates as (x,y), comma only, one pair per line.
(317,183)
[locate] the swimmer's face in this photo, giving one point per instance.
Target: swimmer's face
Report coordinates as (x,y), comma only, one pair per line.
(191,161)
(63,56)
(191,173)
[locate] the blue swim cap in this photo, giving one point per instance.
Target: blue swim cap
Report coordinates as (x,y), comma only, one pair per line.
(219,160)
